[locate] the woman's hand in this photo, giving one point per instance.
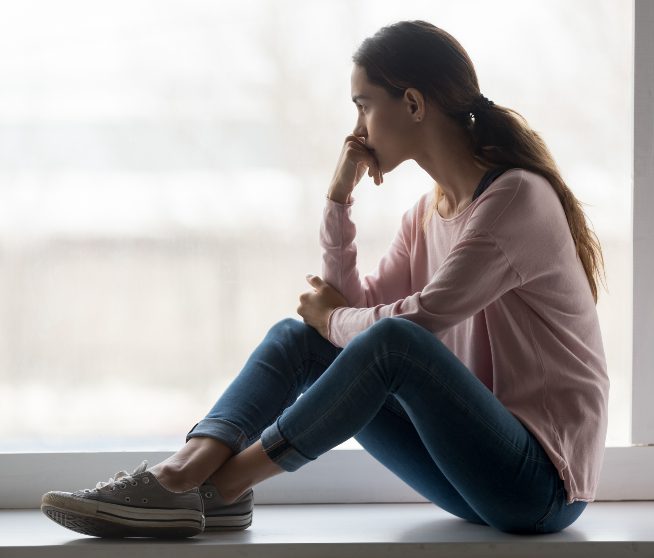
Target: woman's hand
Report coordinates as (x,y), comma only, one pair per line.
(316,305)
(355,159)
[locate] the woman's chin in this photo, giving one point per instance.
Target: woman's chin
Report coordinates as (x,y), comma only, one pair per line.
(386,167)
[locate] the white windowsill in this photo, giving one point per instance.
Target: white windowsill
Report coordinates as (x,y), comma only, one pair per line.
(605,529)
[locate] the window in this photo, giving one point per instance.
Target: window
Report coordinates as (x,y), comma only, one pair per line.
(163,170)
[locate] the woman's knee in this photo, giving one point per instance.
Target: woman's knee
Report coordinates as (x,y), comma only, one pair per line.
(399,329)
(390,326)
(299,335)
(288,327)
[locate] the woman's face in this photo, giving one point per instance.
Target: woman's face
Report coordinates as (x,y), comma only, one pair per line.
(387,124)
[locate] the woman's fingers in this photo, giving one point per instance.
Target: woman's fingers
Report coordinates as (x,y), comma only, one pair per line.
(373,166)
(356,159)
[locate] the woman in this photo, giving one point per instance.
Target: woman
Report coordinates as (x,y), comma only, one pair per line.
(470,364)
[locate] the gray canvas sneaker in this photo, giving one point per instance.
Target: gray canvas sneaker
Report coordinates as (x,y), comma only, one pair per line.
(126,505)
(219,516)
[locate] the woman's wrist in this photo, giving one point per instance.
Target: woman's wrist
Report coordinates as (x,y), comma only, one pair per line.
(338,199)
(335,194)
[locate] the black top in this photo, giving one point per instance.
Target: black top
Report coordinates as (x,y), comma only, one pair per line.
(487,179)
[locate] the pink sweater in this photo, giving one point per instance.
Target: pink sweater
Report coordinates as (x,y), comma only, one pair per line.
(501,285)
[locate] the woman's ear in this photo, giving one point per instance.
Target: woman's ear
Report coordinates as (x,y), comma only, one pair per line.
(415,103)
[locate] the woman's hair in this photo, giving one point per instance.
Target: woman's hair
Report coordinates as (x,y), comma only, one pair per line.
(420,55)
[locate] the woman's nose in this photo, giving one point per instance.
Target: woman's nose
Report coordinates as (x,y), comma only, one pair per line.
(359,131)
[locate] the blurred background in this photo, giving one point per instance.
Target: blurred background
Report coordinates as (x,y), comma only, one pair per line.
(163,171)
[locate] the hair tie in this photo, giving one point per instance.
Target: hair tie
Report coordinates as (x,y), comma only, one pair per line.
(482,103)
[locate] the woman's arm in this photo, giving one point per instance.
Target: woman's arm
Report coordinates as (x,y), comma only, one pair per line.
(391,280)
(475,273)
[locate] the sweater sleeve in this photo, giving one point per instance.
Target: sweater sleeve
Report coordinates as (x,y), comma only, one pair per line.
(391,280)
(475,273)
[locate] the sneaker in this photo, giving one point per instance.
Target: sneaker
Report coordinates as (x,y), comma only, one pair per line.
(126,505)
(219,516)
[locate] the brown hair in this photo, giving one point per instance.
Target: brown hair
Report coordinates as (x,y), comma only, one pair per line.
(420,55)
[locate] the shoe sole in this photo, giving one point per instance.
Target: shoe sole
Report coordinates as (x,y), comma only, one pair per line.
(227,522)
(100,519)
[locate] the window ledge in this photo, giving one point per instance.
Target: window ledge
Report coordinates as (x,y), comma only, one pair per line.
(605,529)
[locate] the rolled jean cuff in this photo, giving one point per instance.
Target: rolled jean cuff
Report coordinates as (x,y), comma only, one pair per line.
(280,451)
(221,430)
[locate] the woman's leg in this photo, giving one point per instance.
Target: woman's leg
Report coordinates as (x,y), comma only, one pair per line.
(289,359)
(490,458)
(393,440)
(390,437)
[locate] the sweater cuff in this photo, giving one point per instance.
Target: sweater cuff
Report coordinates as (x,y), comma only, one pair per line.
(333,202)
(330,336)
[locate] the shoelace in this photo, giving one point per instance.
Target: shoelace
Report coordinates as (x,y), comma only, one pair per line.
(121,478)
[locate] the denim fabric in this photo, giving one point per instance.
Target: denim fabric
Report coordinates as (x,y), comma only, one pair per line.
(411,403)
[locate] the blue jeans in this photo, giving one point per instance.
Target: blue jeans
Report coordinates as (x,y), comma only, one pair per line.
(411,403)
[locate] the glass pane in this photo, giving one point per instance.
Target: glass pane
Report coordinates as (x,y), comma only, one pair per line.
(163,171)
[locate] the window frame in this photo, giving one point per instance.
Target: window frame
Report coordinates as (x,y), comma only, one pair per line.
(642,427)
(352,475)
